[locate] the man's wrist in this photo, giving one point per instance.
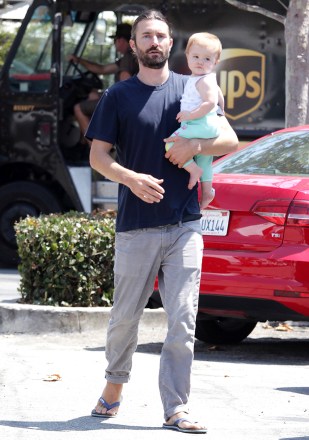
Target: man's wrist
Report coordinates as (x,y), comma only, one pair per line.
(196,147)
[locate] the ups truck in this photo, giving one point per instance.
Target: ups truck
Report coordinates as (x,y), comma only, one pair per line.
(44,165)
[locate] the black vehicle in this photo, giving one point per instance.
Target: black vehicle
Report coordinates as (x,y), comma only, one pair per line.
(43,165)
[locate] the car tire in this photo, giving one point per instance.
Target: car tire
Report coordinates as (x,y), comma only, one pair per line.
(154,301)
(223,330)
(17,200)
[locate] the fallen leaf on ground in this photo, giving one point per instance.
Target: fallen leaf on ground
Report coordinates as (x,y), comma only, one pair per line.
(52,377)
(283,327)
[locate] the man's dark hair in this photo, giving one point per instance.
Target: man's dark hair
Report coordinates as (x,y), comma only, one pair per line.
(150,14)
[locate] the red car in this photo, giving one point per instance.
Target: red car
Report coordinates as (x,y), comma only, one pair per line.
(256,237)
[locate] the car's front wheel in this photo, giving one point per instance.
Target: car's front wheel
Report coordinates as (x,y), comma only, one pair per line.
(223,330)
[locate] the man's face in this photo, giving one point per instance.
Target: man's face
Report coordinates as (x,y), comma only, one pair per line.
(153,43)
(121,45)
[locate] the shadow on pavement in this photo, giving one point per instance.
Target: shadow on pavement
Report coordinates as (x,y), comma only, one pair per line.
(298,390)
(264,351)
(79,424)
(295,438)
(257,351)
(151,347)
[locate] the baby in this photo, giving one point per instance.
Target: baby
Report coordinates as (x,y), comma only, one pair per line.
(198,115)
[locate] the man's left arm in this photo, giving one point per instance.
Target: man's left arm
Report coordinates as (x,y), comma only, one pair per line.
(185,149)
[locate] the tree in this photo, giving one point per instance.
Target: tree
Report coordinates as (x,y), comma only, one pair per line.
(6,39)
(296,25)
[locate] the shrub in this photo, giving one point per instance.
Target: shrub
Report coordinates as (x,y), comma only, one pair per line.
(67,259)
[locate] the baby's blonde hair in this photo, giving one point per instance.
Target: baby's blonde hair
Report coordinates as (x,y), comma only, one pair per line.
(205,39)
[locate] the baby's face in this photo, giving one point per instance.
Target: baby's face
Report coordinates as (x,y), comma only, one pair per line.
(202,59)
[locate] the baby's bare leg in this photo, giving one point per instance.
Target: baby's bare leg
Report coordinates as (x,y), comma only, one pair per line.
(208,194)
(195,173)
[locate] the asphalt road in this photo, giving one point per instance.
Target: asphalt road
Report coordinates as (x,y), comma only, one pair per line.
(256,390)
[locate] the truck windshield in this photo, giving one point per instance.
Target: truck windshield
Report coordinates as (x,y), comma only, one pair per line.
(31,66)
(30,69)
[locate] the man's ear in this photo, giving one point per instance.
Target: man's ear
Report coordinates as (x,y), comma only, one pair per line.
(132,44)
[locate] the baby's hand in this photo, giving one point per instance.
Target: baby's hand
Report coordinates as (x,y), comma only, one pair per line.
(183,116)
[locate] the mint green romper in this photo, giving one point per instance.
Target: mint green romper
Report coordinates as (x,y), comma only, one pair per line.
(202,128)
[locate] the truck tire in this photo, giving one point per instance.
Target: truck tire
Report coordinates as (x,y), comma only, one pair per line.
(17,200)
(223,330)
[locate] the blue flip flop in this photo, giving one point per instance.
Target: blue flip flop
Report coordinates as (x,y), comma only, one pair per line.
(175,426)
(106,405)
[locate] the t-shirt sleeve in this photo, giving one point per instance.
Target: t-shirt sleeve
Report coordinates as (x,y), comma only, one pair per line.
(103,124)
(127,64)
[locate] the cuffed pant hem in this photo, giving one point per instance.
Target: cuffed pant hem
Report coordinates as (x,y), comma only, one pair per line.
(117,379)
(177,409)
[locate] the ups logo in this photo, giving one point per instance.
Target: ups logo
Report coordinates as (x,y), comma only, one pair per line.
(241,76)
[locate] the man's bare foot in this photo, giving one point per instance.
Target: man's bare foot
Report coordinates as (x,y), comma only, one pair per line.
(109,404)
(180,422)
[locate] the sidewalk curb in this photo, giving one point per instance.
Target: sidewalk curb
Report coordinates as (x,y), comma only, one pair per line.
(24,318)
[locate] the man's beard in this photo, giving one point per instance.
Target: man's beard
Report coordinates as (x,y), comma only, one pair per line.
(147,60)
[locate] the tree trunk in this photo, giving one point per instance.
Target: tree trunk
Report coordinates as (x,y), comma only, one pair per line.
(297,63)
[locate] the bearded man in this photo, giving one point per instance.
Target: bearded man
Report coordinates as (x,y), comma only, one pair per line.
(158,227)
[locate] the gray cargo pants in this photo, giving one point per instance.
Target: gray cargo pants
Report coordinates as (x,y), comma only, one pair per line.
(174,252)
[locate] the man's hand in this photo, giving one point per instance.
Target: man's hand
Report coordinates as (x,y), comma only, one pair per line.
(182,150)
(73,58)
(146,187)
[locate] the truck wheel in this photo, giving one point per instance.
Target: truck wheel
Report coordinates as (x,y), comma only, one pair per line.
(17,200)
(223,330)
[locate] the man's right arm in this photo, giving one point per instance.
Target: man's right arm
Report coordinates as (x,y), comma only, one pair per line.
(99,69)
(144,186)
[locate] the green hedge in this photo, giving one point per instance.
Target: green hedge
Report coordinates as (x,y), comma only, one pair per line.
(67,259)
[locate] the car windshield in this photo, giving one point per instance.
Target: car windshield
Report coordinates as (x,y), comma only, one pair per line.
(282,153)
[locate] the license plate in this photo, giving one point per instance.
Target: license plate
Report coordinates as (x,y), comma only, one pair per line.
(214,222)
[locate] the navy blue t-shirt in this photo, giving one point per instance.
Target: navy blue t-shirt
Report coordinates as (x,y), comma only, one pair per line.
(136,118)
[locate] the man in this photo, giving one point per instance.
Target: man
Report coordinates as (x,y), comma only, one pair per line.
(123,68)
(158,227)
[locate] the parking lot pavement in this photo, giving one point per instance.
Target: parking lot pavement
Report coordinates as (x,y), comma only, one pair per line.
(256,390)
(9,283)
(50,381)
